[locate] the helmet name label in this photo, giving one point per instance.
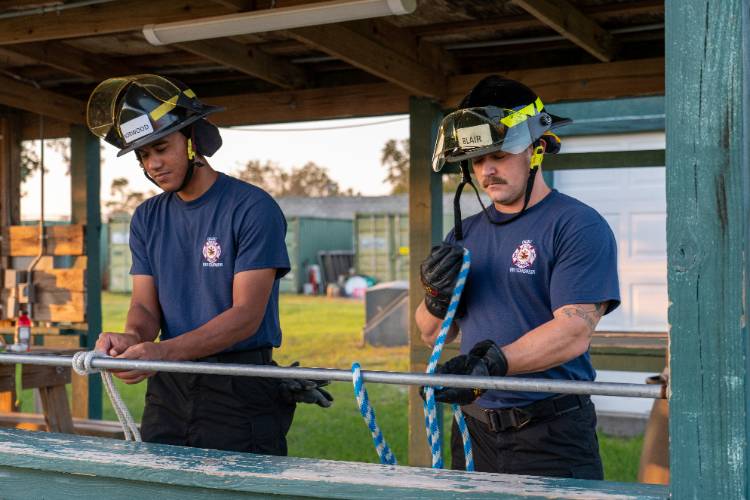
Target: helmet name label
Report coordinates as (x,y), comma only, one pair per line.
(474,137)
(136,128)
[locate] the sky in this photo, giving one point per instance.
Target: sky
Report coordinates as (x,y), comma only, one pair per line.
(349,148)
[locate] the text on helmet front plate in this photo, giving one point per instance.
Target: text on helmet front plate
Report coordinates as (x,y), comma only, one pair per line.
(475,137)
(135,128)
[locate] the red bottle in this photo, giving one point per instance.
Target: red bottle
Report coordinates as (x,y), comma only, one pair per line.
(23,332)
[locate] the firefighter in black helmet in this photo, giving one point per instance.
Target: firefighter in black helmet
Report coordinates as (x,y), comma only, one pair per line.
(208,254)
(543,273)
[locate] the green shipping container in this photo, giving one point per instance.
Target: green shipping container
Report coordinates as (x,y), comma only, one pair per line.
(382,250)
(305,237)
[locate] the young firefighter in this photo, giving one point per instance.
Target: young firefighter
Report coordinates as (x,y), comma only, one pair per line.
(208,254)
(543,272)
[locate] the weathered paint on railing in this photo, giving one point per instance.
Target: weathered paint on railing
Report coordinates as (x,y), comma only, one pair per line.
(36,465)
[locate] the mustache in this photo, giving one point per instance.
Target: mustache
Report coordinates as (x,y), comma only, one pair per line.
(493,180)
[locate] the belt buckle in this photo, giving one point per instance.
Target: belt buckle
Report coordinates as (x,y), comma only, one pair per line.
(512,418)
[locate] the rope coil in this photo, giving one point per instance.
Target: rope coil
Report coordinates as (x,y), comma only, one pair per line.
(430,407)
(82,365)
(368,413)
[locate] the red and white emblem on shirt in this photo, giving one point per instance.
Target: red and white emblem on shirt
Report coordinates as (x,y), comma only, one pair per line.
(211,250)
(525,255)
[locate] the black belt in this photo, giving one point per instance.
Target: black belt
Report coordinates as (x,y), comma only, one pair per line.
(503,419)
(260,356)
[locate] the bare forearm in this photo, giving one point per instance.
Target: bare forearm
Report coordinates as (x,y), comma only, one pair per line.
(544,347)
(142,323)
(226,329)
(565,337)
(429,326)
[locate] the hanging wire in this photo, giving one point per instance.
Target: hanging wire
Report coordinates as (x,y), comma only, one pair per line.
(318,129)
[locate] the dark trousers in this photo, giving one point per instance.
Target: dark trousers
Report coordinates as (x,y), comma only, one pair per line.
(560,446)
(218,411)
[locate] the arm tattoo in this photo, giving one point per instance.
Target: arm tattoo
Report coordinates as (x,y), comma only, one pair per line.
(590,317)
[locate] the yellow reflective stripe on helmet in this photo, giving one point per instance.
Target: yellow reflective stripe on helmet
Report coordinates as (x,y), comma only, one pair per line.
(169,105)
(163,108)
(523,114)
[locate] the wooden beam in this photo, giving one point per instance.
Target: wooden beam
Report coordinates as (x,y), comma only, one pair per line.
(610,159)
(249,60)
(85,181)
(640,77)
(425,230)
(53,129)
(116,17)
(71,60)
(311,104)
(708,194)
(38,465)
(10,175)
(22,96)
(574,25)
(66,239)
(599,13)
(379,58)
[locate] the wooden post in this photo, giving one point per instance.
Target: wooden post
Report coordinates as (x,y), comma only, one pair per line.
(85,206)
(708,193)
(10,203)
(425,230)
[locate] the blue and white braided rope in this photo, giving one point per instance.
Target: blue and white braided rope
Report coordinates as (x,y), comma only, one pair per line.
(430,407)
(368,413)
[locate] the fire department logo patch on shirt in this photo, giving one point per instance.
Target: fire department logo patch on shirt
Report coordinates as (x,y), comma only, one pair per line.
(524,257)
(212,252)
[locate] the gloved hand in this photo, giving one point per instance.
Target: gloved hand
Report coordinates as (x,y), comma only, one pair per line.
(297,390)
(439,272)
(492,357)
(484,360)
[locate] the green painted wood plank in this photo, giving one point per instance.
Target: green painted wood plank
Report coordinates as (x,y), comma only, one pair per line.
(59,463)
(611,116)
(614,159)
(707,247)
(86,179)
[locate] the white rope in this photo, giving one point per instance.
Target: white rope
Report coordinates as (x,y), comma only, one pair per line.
(82,366)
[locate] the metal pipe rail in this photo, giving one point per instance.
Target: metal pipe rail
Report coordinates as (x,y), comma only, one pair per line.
(399,378)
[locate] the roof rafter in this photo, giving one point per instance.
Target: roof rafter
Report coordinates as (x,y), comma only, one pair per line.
(249,60)
(22,96)
(117,17)
(375,55)
(564,83)
(573,24)
(599,13)
(70,60)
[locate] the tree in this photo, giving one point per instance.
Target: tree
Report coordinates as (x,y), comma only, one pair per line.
(395,158)
(124,199)
(31,157)
(310,180)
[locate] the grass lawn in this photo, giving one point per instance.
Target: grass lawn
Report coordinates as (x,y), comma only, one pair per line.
(327,333)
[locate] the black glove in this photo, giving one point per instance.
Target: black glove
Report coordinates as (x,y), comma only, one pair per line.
(492,357)
(439,272)
(298,390)
(484,360)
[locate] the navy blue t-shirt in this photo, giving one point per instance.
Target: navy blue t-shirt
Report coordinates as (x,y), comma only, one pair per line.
(559,252)
(193,250)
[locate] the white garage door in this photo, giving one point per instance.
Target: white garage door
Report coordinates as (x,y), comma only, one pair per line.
(633,201)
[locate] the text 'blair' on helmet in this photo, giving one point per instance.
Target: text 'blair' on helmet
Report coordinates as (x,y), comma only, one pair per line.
(497,115)
(133,111)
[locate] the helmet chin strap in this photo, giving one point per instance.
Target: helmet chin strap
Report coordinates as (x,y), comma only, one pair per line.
(536,161)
